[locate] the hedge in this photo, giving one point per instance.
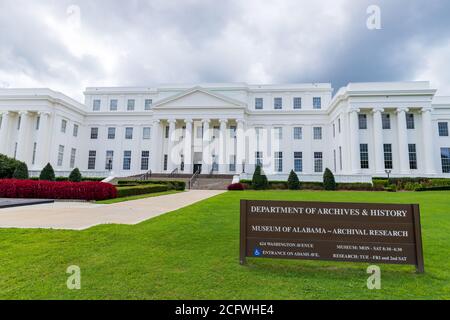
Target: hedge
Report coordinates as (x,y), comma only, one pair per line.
(61,179)
(443,188)
(172,185)
(30,189)
(127,191)
(236,187)
(283,185)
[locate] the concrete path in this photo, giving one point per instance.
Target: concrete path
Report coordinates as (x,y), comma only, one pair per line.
(80,216)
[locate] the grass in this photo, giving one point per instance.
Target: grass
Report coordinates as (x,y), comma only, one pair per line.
(141,196)
(192,253)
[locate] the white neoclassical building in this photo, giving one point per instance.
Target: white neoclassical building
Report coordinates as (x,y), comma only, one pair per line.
(364,130)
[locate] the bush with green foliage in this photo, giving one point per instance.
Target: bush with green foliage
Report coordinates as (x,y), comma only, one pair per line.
(293,181)
(47,173)
(21,172)
(171,184)
(127,191)
(75,175)
(329,183)
(259,181)
(8,166)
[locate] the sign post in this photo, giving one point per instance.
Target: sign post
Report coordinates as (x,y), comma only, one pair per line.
(357,232)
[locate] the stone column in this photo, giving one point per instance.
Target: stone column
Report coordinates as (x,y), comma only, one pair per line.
(42,141)
(240,145)
(222,155)
(378,141)
(206,158)
(156,146)
(402,135)
(188,147)
(23,141)
(5,144)
(354,141)
(427,136)
(171,165)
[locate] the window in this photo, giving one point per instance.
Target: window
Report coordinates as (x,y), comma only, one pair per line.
(445,158)
(317,103)
(130,105)
(386,121)
(278,133)
(388,156)
(298,133)
(362,118)
(167,132)
(216,132)
(145,156)
(96,105)
(75,130)
(63,126)
(166,160)
(317,133)
(91,159)
(278,103)
(19,122)
(148,104)
(334,160)
(297,103)
(38,122)
(109,159)
(278,161)
(1,122)
(94,133)
(146,133)
(318,162)
(259,158)
(340,158)
(339,125)
(113,105)
(443,129)
(127,160)
(232,165)
(111,133)
(410,121)
(199,132)
(334,130)
(259,103)
(60,156)
(298,161)
(364,155)
(412,156)
(233,130)
(33,160)
(128,133)
(73,154)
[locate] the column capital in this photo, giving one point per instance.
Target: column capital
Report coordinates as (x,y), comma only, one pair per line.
(188,121)
(206,121)
(354,110)
(240,121)
(156,121)
(172,121)
(223,121)
(378,109)
(43,113)
(426,109)
(402,109)
(22,113)
(4,113)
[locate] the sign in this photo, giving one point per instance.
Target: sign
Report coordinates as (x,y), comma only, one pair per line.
(356,232)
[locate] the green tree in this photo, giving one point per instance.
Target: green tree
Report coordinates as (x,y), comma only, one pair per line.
(7,166)
(259,180)
(47,173)
(21,172)
(75,175)
(293,181)
(329,183)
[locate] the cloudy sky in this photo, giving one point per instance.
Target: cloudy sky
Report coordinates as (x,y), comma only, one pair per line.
(69,45)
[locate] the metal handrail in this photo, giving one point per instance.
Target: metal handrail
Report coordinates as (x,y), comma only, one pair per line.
(211,173)
(173,173)
(146,175)
(194,178)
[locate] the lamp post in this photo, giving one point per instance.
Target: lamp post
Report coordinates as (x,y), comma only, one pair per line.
(388,172)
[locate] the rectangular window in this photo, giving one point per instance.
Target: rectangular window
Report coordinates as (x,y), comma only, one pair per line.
(38,122)
(334,130)
(388,156)
(146,133)
(298,161)
(386,121)
(19,121)
(15,150)
(127,160)
(166,160)
(33,160)
(278,161)
(318,162)
(145,156)
(233,130)
(364,155)
(60,156)
(339,125)
(1,122)
(232,166)
(91,160)
(94,133)
(259,158)
(317,133)
(113,105)
(298,133)
(297,103)
(129,133)
(445,158)
(130,105)
(278,133)
(334,160)
(412,156)
(410,121)
(167,129)
(443,129)
(216,132)
(200,132)
(109,159)
(317,103)
(63,126)
(259,103)
(148,104)
(111,133)
(73,154)
(362,121)
(340,158)
(96,105)
(75,130)
(278,103)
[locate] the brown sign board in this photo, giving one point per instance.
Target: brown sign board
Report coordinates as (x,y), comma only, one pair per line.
(357,232)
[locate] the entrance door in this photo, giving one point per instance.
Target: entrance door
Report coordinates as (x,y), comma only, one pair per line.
(197,167)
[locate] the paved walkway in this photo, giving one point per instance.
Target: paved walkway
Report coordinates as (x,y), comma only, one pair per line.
(80,216)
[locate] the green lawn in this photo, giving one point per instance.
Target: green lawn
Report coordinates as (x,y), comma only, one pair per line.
(193,253)
(141,196)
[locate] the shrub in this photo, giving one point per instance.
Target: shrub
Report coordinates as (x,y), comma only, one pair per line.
(75,175)
(236,187)
(43,189)
(172,185)
(293,181)
(21,172)
(355,186)
(259,181)
(8,166)
(47,173)
(441,188)
(127,191)
(329,183)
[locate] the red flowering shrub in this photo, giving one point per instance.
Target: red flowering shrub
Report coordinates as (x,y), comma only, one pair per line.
(236,187)
(11,188)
